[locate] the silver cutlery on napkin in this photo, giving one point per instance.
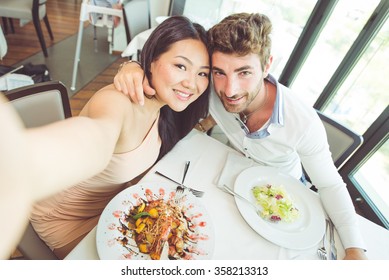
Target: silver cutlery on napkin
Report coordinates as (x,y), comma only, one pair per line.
(322,251)
(333,252)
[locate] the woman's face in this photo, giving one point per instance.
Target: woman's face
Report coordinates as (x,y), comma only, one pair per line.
(181,74)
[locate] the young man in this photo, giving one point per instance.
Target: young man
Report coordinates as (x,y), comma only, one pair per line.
(265,120)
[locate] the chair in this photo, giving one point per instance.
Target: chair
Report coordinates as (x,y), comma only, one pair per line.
(34,10)
(42,103)
(89,11)
(37,105)
(134,17)
(343,142)
(176,7)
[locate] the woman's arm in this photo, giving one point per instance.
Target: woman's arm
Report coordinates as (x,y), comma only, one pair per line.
(67,152)
(16,184)
(36,163)
(63,153)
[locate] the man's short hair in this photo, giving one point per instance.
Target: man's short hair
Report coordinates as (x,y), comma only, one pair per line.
(242,34)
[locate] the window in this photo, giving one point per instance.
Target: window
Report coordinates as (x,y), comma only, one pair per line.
(373,175)
(204,12)
(367,175)
(288,19)
(364,94)
(342,28)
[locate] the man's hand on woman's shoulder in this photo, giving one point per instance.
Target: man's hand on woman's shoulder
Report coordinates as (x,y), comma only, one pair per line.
(131,82)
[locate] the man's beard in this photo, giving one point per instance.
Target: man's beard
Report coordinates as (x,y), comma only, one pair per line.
(241,107)
(235,108)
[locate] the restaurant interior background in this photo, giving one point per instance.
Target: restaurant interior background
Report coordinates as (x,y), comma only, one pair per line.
(331,53)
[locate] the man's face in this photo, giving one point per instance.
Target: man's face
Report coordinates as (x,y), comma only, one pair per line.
(237,79)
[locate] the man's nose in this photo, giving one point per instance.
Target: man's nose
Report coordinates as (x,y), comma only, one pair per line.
(230,87)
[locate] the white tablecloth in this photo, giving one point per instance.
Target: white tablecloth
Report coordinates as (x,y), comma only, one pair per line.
(234,238)
(137,43)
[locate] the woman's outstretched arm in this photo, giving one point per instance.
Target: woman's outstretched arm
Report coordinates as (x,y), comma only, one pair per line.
(38,162)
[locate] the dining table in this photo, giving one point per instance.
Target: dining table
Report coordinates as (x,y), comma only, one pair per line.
(135,46)
(234,238)
(137,42)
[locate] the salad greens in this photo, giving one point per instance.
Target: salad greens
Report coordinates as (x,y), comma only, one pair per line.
(276,203)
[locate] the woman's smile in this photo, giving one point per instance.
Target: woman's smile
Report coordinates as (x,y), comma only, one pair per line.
(181,95)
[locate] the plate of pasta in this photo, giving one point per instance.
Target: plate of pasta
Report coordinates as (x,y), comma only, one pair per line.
(149,221)
(292,215)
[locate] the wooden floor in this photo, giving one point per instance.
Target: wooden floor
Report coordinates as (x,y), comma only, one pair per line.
(64,21)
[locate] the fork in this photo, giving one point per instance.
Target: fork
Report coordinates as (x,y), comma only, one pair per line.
(322,252)
(197,193)
(179,194)
(185,171)
(180,189)
(333,254)
(258,208)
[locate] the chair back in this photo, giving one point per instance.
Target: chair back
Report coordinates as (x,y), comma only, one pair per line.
(137,18)
(41,104)
(21,9)
(343,141)
(38,105)
(176,7)
(27,10)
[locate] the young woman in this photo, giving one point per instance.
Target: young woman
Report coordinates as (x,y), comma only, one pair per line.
(116,139)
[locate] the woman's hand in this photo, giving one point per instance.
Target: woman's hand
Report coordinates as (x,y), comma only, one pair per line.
(130,81)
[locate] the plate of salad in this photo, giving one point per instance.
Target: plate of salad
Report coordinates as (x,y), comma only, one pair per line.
(291,216)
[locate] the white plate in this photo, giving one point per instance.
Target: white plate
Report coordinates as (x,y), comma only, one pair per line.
(107,235)
(301,234)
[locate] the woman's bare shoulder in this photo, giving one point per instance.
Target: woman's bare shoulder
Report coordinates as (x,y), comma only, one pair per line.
(107,99)
(110,92)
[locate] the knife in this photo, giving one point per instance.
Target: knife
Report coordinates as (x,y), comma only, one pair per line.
(197,193)
(170,179)
(333,252)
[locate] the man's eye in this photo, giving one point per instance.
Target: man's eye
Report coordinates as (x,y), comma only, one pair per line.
(245,73)
(217,73)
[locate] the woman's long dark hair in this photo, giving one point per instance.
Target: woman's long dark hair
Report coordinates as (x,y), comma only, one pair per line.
(172,125)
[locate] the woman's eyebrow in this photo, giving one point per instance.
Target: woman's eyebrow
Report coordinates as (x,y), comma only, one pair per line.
(185,58)
(190,61)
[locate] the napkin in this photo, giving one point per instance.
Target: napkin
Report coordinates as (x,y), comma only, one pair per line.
(235,164)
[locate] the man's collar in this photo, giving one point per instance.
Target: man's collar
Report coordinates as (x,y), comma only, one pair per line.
(277,116)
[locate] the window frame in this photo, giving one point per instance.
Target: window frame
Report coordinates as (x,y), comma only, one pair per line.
(377,133)
(375,137)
